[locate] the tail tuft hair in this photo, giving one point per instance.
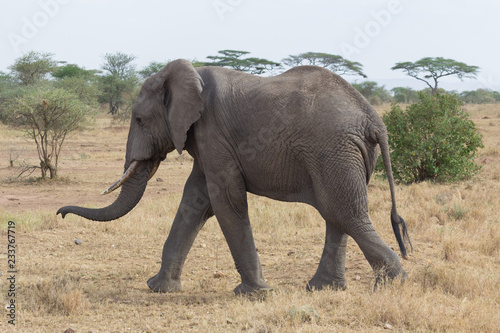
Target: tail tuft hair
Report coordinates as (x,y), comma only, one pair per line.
(397,222)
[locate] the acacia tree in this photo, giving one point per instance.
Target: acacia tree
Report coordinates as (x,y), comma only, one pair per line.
(33,67)
(430,70)
(233,59)
(78,80)
(119,79)
(30,69)
(48,115)
(153,68)
(335,63)
(72,70)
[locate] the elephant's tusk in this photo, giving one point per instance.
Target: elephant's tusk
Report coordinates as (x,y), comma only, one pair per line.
(154,169)
(130,171)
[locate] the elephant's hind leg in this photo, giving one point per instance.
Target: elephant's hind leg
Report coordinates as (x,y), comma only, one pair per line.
(193,212)
(331,269)
(344,201)
(357,224)
(384,261)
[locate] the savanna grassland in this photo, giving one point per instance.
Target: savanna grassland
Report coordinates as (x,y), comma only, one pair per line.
(100,285)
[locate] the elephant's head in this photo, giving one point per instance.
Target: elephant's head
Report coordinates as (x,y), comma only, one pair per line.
(166,107)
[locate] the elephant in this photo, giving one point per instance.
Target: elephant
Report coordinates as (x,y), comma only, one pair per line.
(305,135)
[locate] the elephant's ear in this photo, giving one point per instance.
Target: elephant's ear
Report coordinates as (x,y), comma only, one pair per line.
(183,85)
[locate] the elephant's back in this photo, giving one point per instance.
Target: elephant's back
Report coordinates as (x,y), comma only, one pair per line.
(312,100)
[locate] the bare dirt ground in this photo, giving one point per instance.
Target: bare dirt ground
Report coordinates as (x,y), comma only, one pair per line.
(100,285)
(91,159)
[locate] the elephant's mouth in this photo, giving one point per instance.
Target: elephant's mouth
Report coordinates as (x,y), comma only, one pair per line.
(129,173)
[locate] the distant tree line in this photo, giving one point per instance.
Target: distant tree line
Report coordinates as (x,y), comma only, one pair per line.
(117,81)
(49,98)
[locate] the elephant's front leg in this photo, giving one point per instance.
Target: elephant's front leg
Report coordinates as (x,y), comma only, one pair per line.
(193,212)
(229,202)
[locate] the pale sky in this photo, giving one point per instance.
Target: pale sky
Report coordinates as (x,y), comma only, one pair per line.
(376,33)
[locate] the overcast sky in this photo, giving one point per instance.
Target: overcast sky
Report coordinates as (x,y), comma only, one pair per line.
(376,33)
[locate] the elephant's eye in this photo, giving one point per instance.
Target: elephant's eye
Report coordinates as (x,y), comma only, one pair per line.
(165,98)
(138,120)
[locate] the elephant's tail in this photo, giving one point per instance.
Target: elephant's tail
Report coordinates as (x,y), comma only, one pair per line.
(398,224)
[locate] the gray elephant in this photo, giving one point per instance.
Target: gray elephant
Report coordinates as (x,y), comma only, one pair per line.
(303,136)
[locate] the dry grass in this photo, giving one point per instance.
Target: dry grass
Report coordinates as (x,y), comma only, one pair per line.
(99,286)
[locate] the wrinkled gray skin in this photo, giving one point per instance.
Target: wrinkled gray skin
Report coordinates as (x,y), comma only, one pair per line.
(302,136)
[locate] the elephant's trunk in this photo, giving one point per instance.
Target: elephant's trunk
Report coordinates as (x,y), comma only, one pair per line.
(133,187)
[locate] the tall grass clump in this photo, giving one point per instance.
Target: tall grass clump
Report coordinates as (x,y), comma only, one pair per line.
(56,295)
(433,139)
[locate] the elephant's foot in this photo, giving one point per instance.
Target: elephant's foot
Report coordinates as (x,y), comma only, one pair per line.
(247,288)
(160,284)
(382,277)
(318,283)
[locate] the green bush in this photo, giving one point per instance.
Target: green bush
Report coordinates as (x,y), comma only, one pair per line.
(48,115)
(433,139)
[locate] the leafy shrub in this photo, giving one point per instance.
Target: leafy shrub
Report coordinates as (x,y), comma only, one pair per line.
(433,139)
(48,115)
